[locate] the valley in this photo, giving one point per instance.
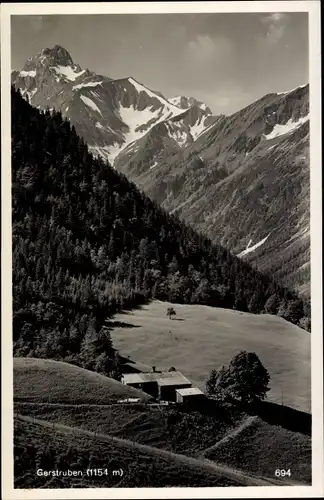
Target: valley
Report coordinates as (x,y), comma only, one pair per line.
(244,178)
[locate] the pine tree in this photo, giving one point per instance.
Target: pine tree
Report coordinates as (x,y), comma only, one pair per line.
(272,304)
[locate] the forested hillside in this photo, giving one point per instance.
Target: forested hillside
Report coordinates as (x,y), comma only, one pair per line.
(88,243)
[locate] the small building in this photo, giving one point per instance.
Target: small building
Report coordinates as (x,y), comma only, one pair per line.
(161,385)
(168,386)
(190,395)
(143,381)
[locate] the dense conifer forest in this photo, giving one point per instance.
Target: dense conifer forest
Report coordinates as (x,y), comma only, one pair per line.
(87,243)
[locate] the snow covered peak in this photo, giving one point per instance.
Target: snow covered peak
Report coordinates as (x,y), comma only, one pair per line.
(56,62)
(139,87)
(183,102)
(111,114)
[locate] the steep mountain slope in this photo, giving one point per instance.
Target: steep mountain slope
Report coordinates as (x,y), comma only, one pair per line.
(109,114)
(163,141)
(244,182)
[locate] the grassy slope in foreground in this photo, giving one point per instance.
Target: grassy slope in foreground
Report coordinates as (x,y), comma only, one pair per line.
(201,338)
(225,440)
(142,465)
(240,441)
(260,448)
(170,428)
(44,380)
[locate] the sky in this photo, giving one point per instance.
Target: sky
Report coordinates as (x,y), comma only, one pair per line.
(226,60)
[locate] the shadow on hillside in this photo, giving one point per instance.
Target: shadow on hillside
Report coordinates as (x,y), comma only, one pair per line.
(135,307)
(289,418)
(272,413)
(178,319)
(120,324)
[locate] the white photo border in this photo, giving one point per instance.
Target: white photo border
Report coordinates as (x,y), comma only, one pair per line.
(313,9)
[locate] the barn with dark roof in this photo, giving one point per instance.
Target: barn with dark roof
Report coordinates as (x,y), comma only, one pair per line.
(161,385)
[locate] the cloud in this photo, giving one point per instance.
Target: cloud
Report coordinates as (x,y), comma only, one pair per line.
(204,49)
(276,23)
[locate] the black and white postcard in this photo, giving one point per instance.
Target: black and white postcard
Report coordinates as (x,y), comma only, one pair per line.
(161,250)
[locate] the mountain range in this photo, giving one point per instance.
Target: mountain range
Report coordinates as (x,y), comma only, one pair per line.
(243,180)
(109,114)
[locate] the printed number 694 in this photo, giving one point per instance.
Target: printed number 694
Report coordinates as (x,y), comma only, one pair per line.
(282,472)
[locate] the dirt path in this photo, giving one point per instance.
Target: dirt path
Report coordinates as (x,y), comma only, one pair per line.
(231,435)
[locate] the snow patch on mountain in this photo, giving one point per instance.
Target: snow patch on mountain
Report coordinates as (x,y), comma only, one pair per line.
(177,133)
(154,165)
(31,73)
(68,72)
(205,129)
(135,119)
(250,249)
(282,129)
(198,128)
(30,93)
(87,84)
(90,103)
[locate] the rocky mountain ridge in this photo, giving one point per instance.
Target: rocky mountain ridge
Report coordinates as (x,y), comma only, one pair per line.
(109,114)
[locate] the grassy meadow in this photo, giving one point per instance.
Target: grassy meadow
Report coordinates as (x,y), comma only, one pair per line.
(201,338)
